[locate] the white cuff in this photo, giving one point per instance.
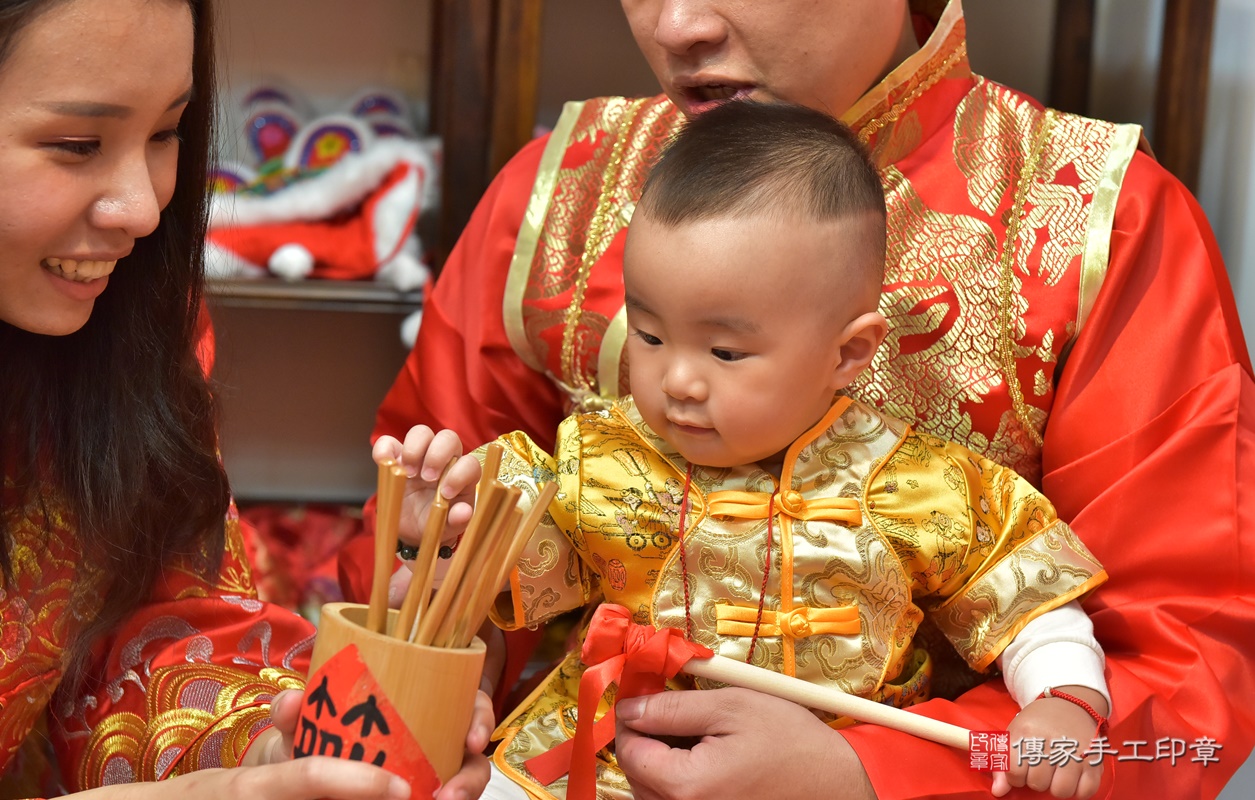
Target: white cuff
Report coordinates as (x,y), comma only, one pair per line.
(1056,649)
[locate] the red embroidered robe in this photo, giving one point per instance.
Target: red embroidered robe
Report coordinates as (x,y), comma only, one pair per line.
(1058,304)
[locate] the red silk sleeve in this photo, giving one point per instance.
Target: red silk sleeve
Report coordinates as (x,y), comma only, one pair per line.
(1149,455)
(462,373)
(177,674)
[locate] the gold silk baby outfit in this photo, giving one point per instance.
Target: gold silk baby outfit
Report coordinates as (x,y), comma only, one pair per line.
(872,526)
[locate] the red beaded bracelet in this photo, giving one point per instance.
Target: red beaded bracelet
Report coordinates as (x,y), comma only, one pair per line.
(1099,718)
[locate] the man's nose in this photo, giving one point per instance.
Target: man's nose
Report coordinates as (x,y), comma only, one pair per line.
(687,24)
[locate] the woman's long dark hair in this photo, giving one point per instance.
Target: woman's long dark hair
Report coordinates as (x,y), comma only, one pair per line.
(115,422)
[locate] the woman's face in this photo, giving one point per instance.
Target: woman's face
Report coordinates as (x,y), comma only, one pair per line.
(824,54)
(90,98)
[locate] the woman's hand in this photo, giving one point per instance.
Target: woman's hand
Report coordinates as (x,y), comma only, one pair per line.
(738,752)
(274,746)
(473,776)
(301,779)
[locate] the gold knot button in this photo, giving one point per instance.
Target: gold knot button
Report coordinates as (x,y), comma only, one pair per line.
(797,624)
(792,502)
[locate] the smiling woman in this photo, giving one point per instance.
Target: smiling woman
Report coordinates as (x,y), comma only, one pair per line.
(125,582)
(88,157)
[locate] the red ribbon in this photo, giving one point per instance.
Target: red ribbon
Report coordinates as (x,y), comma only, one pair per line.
(616,650)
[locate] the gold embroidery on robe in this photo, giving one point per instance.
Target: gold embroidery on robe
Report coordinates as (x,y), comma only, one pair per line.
(153,689)
(941,367)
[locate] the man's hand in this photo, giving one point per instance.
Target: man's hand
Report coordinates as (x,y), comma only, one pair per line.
(748,745)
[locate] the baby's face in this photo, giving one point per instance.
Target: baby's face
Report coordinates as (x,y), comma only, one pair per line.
(734,333)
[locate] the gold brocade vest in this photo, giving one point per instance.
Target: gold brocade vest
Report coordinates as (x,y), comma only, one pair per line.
(1000,217)
(825,574)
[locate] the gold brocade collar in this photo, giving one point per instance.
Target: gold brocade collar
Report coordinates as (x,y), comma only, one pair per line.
(800,478)
(907,89)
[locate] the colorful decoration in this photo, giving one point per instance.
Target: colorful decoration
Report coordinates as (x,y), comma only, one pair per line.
(230,177)
(379,102)
(336,197)
(269,94)
(269,130)
(325,141)
(385,125)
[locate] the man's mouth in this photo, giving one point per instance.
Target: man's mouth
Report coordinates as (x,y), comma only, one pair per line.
(713,92)
(698,95)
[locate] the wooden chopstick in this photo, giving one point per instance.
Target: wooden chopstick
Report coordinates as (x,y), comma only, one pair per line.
(499,529)
(499,569)
(390,492)
(493,453)
(424,567)
(494,539)
(429,626)
(485,507)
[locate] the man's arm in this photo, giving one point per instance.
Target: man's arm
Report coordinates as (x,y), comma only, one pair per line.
(463,373)
(1148,454)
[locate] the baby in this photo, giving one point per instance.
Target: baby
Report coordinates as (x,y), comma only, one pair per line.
(741,496)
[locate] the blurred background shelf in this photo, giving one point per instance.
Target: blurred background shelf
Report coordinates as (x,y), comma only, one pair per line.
(349,296)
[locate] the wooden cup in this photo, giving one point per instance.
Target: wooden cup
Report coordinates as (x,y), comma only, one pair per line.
(432,688)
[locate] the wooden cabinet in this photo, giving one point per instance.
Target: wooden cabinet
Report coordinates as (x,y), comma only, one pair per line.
(1181,89)
(302,367)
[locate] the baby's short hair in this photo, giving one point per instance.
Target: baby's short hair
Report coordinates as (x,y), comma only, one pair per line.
(745,158)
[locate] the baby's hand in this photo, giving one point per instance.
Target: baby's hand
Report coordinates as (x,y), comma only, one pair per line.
(1063,769)
(424,457)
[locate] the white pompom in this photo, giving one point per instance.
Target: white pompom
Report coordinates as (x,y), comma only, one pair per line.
(291,262)
(409,328)
(405,273)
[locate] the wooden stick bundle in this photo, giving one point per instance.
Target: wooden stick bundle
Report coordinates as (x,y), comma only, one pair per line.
(494,539)
(424,567)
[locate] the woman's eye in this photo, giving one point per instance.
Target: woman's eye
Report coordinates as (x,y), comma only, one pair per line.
(79,148)
(648,338)
(727,355)
(168,136)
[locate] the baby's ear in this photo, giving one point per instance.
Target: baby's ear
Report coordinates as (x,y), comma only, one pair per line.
(860,340)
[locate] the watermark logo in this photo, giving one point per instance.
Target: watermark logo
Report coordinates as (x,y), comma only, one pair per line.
(991,751)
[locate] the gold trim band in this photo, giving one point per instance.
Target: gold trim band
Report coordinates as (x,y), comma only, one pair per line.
(1006,332)
(529,235)
(1101,221)
(610,357)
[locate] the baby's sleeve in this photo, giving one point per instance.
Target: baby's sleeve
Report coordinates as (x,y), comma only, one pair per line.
(985,551)
(549,577)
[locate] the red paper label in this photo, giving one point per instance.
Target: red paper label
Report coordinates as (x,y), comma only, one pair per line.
(346,715)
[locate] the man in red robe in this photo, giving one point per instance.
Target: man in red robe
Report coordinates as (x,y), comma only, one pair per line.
(1057,301)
